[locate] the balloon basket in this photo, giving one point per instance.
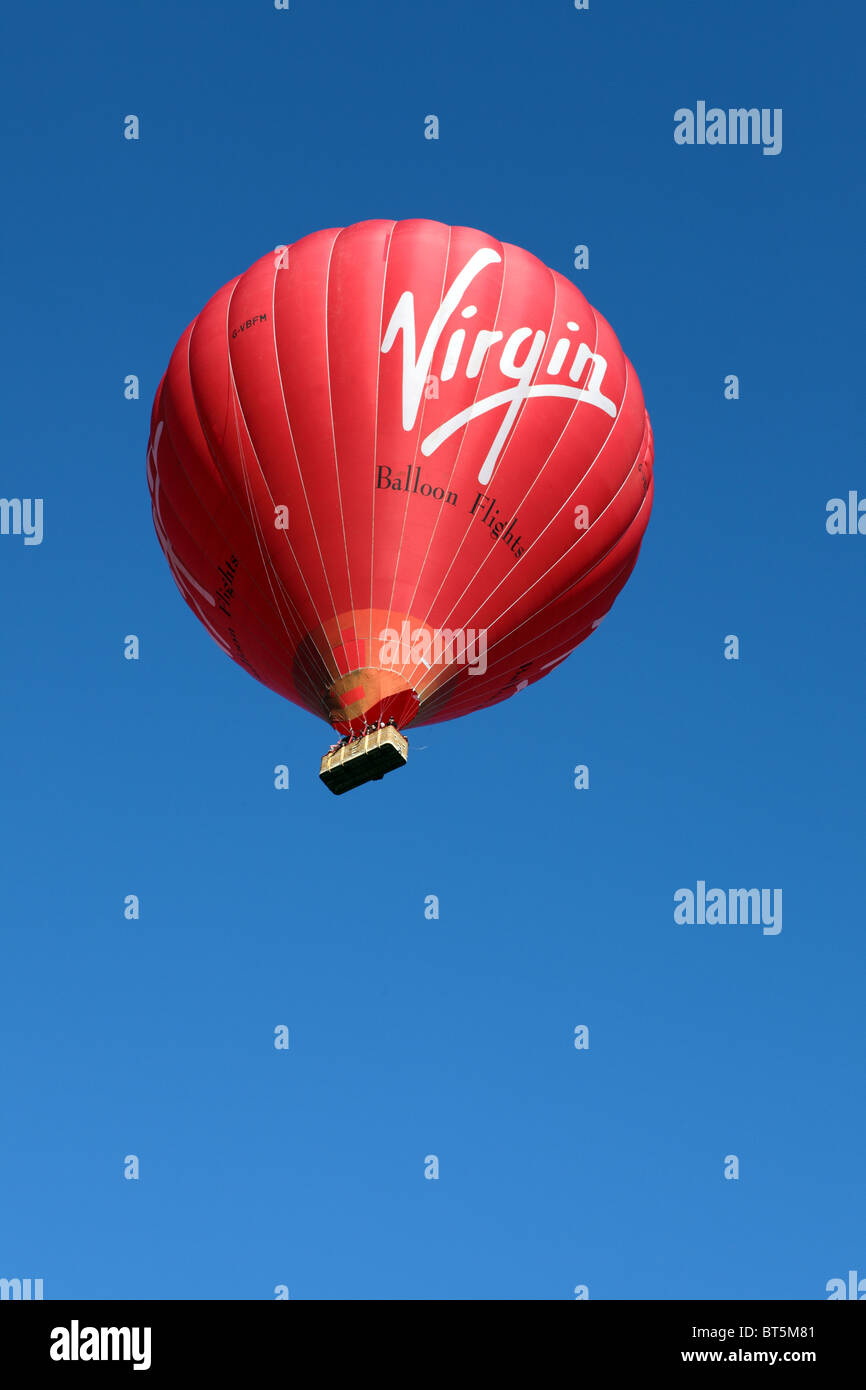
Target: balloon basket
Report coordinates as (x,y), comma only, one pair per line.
(364,759)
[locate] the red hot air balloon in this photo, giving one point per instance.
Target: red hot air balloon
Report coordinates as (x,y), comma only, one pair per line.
(399,471)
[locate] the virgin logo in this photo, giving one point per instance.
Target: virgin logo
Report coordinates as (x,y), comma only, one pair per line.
(416,370)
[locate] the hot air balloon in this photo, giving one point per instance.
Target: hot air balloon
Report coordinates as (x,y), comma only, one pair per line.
(399,471)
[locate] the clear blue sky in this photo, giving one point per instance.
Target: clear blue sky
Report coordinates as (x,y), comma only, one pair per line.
(453,1037)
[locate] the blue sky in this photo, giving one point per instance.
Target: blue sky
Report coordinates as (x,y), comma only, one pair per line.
(454,1037)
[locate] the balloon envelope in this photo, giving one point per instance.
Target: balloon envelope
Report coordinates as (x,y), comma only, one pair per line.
(399,470)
